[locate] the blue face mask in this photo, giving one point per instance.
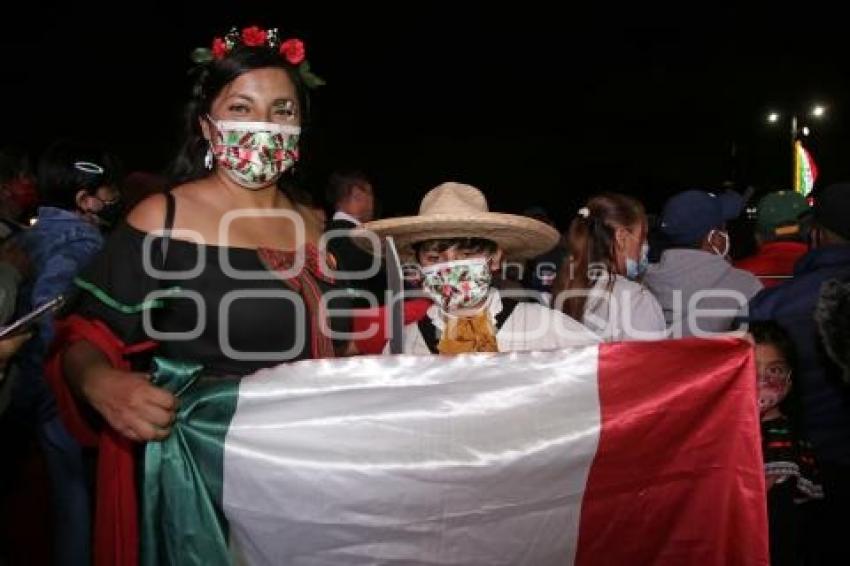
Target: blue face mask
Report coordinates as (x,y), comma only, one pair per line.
(636,269)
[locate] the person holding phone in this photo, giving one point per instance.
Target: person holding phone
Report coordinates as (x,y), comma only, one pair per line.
(78,191)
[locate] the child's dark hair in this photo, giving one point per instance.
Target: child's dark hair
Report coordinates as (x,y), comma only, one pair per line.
(67,167)
(769,332)
(474,245)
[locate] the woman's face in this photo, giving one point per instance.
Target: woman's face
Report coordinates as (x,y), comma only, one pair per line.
(261,95)
(252,157)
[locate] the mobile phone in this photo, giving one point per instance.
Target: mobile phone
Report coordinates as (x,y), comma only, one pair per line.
(27,321)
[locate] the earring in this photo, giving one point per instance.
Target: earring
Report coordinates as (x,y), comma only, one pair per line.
(208,158)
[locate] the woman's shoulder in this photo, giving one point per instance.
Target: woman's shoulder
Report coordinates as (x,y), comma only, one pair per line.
(149,215)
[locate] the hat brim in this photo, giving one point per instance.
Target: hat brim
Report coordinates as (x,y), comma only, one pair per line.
(518,236)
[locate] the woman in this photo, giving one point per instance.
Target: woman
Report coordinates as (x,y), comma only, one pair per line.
(235,282)
(242,133)
(598,285)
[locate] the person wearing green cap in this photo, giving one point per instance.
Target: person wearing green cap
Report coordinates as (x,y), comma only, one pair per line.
(824,408)
(780,238)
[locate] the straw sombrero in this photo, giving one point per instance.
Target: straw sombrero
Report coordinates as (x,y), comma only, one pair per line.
(454,210)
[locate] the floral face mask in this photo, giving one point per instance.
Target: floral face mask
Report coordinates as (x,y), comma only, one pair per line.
(455,285)
(255,154)
(773,386)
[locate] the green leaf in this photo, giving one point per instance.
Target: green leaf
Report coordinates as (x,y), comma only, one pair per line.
(310,79)
(202,55)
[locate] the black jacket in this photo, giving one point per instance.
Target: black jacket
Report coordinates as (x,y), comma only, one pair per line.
(352,258)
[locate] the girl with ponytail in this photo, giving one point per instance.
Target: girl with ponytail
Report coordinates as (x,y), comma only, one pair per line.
(599,284)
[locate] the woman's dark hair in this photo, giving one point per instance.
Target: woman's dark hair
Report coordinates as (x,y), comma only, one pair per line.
(68,167)
(210,80)
(592,246)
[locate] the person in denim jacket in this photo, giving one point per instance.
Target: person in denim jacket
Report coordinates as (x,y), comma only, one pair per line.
(77,190)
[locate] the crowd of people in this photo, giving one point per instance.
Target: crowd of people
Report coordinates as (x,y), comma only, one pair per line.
(230,224)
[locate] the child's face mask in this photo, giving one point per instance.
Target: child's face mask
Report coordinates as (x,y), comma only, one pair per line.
(773,385)
(457,285)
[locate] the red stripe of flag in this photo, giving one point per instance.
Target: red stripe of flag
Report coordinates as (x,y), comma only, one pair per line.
(678,476)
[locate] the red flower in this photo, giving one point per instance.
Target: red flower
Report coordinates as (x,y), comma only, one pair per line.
(293,51)
(253,36)
(219,48)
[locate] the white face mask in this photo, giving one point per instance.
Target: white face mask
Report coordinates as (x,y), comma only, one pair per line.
(726,245)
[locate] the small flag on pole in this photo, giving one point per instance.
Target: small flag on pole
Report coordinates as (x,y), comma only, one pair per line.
(806,170)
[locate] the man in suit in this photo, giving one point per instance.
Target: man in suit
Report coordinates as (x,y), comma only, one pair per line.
(353,200)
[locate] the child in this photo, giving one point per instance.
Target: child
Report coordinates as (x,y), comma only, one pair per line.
(788,464)
(459,244)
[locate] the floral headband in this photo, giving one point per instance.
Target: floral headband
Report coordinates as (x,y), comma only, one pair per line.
(291,50)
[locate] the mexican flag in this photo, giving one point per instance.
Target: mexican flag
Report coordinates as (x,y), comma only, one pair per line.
(630,453)
(806,170)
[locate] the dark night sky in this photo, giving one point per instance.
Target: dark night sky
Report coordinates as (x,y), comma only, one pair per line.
(531,105)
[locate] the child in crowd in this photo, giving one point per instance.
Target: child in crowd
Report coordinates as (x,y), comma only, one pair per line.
(790,474)
(459,244)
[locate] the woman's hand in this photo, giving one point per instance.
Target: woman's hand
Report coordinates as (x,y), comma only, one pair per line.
(130,403)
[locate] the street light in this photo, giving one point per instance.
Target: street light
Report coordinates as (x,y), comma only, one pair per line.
(816,111)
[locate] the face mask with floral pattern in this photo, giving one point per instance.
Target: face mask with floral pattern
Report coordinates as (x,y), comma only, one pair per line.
(773,386)
(456,285)
(255,154)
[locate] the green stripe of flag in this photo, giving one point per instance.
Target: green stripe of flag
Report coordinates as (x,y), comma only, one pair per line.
(190,462)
